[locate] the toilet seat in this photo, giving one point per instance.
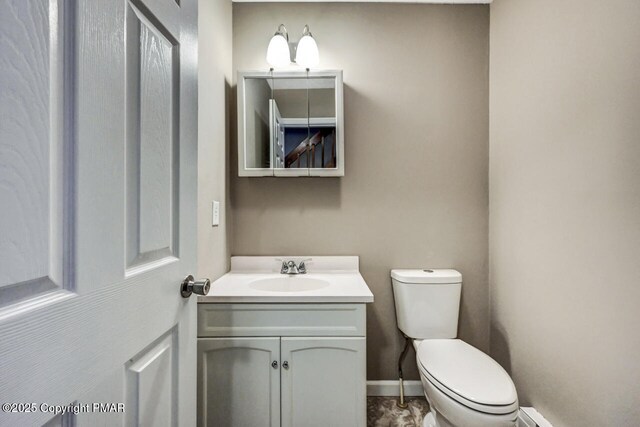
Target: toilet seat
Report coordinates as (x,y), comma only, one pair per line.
(467,375)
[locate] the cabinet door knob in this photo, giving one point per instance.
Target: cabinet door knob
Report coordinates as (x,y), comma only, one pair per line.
(274,364)
(285,364)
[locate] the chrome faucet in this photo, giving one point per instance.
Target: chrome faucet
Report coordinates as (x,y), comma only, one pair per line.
(290,267)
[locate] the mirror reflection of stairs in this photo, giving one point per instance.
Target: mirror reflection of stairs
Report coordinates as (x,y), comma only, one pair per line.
(316,151)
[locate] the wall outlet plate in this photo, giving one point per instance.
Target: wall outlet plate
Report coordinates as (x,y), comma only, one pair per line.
(215,213)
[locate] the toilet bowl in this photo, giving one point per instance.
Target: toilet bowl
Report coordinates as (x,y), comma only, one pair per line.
(464,386)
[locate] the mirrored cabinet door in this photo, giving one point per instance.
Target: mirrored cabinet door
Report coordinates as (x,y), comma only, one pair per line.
(257,144)
(323,128)
(290,124)
(291,101)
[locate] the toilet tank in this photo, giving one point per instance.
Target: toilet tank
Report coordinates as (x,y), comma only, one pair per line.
(427,302)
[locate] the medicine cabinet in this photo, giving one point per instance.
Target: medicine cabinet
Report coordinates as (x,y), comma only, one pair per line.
(290,123)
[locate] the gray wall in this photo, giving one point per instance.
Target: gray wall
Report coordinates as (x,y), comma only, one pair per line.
(415,192)
(565,206)
(256,106)
(214,93)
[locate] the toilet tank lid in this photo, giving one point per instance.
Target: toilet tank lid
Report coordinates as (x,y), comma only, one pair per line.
(427,276)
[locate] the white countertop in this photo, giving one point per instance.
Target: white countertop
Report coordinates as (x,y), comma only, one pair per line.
(345,283)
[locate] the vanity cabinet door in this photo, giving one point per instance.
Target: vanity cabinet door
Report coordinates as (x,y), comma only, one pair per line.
(323,382)
(238,382)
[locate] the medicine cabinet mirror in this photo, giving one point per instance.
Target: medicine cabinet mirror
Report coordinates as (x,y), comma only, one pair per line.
(290,123)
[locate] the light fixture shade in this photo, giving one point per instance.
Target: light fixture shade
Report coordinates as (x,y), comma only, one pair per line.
(307,52)
(278,51)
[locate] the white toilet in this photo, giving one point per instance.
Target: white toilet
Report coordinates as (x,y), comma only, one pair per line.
(464,386)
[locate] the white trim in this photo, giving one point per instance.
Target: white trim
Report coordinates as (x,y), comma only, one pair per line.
(523,420)
(312,121)
(529,417)
(391,388)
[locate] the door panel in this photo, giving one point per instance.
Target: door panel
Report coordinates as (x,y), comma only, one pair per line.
(152,141)
(33,239)
(97,157)
(325,384)
(151,385)
(60,421)
(237,384)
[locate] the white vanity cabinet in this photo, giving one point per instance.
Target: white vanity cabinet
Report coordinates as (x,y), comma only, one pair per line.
(281,365)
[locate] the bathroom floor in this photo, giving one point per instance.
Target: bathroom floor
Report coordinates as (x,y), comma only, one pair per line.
(382,411)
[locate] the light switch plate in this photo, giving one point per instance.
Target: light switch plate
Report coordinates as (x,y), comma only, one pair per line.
(215,214)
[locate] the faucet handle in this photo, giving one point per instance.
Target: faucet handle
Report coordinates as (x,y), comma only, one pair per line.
(283,268)
(303,268)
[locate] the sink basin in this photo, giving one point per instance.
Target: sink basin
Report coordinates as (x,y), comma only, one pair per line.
(288,284)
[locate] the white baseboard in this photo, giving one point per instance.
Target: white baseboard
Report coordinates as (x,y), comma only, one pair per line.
(529,417)
(391,388)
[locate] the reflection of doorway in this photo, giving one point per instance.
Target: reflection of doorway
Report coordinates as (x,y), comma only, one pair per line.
(301,143)
(277,135)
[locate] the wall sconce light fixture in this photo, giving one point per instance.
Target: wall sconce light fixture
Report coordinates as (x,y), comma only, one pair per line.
(279,55)
(307,52)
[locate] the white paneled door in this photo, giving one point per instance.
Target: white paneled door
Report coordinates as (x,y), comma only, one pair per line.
(98,109)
